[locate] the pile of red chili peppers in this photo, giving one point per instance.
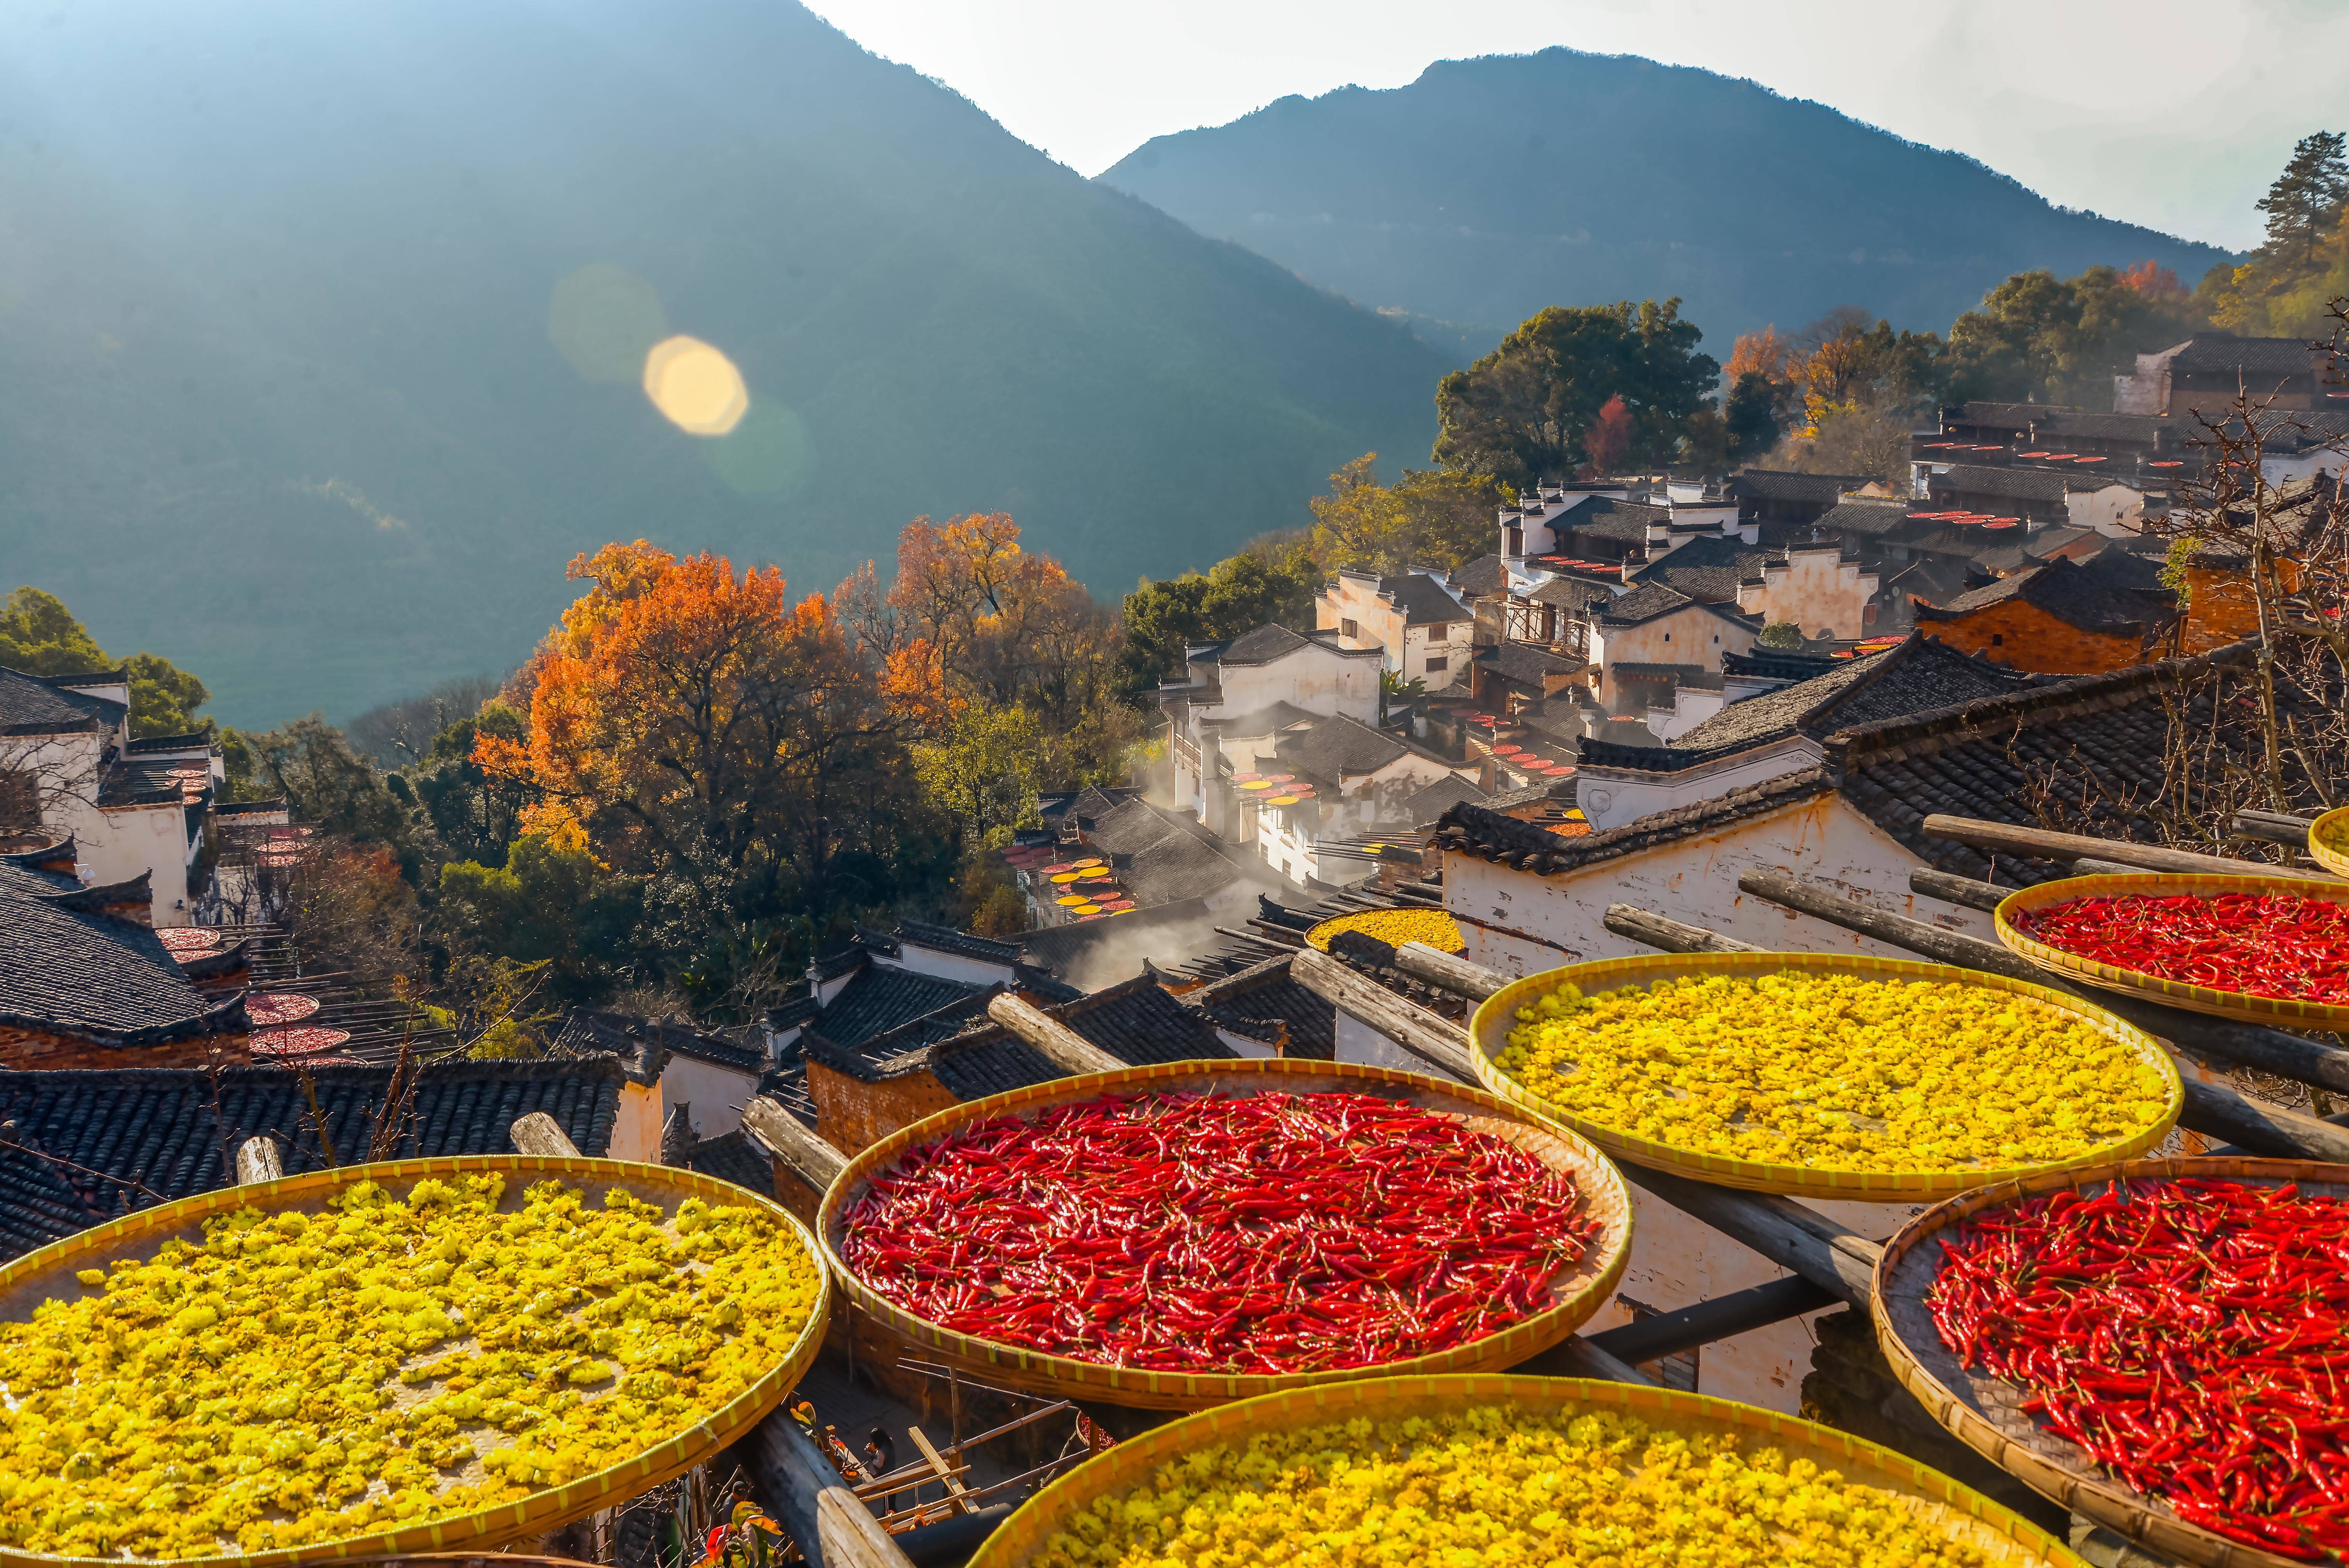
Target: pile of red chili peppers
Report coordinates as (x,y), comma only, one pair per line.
(2189,1334)
(2261,944)
(1262,1233)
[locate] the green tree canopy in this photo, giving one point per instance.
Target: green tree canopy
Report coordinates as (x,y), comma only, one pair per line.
(2307,197)
(1275,583)
(2286,287)
(1427,517)
(40,637)
(1526,411)
(2062,340)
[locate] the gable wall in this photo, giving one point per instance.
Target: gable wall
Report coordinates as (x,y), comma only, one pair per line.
(2029,638)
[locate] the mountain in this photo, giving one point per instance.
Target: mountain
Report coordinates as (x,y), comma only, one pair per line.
(323,328)
(1490,188)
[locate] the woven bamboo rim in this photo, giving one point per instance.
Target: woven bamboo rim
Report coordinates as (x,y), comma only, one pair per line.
(2233,1004)
(1498,1015)
(2005,1538)
(1981,1412)
(39,1274)
(1574,1297)
(2332,860)
(1321,935)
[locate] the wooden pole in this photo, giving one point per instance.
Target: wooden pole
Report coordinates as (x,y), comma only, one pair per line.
(1647,926)
(1950,888)
(258,1160)
(1831,1257)
(1722,1318)
(1576,1357)
(834,1528)
(779,1132)
(1455,974)
(2039,844)
(1068,1050)
(1433,1039)
(540,1134)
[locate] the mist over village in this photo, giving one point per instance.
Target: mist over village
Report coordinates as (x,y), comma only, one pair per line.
(914,787)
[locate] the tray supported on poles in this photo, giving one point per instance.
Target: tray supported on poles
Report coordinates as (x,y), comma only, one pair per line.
(2243,1006)
(1984,1411)
(2002,1538)
(51,1272)
(1497,1017)
(1570,1299)
(2328,840)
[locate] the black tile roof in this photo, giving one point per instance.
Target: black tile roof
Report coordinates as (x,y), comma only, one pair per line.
(1867,517)
(32,704)
(195,741)
(1475,829)
(1779,665)
(2149,429)
(1570,592)
(2005,416)
(1270,642)
(68,969)
(1262,1000)
(1431,802)
(2124,569)
(733,1157)
(946,939)
(1420,598)
(1266,720)
(2073,595)
(884,997)
(156,1130)
(625,1035)
(1058,948)
(1338,746)
(1708,570)
(2207,354)
(1481,578)
(1524,665)
(2012,484)
(1779,484)
(1647,601)
(1610,518)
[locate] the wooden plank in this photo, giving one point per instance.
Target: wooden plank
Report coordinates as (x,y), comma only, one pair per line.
(1067,1049)
(1453,973)
(1433,1039)
(783,1136)
(2040,844)
(539,1134)
(946,1472)
(2273,827)
(258,1160)
(851,1537)
(1722,1318)
(1645,926)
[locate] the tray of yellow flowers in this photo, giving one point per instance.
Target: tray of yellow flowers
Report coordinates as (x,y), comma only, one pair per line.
(1508,1469)
(1826,1075)
(440,1355)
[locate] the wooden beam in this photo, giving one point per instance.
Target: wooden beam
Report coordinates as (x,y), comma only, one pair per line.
(2273,827)
(1451,973)
(1576,1357)
(2040,844)
(2260,1127)
(258,1160)
(814,1502)
(1645,926)
(1839,908)
(945,1473)
(540,1134)
(1432,1038)
(779,1132)
(1832,1256)
(1950,888)
(1067,1049)
(1722,1318)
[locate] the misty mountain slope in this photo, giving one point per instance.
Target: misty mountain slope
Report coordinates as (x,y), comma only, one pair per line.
(323,328)
(1490,188)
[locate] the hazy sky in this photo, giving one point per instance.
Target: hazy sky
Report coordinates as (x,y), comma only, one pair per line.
(2166,113)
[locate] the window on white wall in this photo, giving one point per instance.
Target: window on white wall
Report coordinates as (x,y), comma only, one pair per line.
(1437,666)
(1350,628)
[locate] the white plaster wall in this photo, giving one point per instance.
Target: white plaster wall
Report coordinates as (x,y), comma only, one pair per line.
(1255,1049)
(1693,635)
(1816,590)
(1315,679)
(1691,706)
(715,1094)
(124,840)
(2102,510)
(1611,796)
(923,960)
(1695,880)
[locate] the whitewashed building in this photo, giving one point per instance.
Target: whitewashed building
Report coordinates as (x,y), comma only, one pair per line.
(1415,617)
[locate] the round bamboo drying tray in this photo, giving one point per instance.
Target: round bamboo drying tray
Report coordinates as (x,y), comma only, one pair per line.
(1982,1411)
(49,1272)
(1489,1030)
(1368,921)
(2005,1538)
(2334,822)
(1575,1296)
(2236,1005)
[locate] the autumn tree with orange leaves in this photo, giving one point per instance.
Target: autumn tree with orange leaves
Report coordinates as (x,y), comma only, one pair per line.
(704,731)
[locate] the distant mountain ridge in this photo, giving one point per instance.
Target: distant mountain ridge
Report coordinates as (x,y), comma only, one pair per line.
(278,284)
(1490,188)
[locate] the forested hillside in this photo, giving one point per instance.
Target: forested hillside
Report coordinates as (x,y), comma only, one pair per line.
(1490,188)
(322,328)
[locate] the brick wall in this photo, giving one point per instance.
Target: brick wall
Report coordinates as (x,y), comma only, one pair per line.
(2221,607)
(2029,638)
(852,1114)
(34,1050)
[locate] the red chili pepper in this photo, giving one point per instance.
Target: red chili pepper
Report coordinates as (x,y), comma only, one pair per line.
(2279,944)
(2188,1358)
(1296,1233)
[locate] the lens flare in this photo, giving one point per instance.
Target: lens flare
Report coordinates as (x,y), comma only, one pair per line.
(770,453)
(696,387)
